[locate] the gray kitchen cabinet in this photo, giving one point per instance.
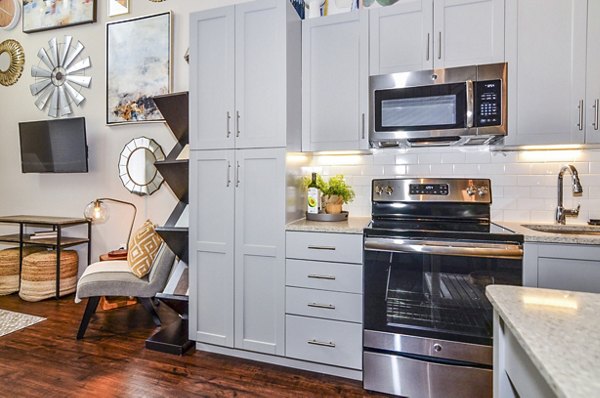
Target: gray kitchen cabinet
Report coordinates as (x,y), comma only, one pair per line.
(562,266)
(552,57)
(324,298)
(237,261)
(424,34)
(335,82)
(245,76)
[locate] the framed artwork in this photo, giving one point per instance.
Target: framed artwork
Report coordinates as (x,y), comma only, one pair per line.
(138,67)
(41,15)
(117,7)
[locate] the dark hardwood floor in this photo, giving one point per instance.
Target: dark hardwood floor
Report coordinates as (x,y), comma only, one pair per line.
(45,360)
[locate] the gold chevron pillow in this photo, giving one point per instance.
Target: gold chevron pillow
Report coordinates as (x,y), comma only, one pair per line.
(142,249)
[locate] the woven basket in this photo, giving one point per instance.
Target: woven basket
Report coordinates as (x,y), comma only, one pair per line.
(9,268)
(38,275)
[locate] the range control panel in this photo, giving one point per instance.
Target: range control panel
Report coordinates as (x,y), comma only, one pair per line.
(456,190)
(428,189)
(488,107)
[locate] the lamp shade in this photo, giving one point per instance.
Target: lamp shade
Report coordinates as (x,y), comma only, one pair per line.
(96,212)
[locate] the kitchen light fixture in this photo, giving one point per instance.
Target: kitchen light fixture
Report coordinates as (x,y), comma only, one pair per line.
(97,212)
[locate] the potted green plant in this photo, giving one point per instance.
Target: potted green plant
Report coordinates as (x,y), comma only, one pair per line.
(335,192)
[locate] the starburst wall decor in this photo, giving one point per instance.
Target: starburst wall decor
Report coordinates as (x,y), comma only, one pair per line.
(60,77)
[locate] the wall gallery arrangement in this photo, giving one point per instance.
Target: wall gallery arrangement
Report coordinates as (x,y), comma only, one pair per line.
(138,67)
(41,15)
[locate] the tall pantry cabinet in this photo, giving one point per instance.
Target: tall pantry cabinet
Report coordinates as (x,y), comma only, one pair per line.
(245,104)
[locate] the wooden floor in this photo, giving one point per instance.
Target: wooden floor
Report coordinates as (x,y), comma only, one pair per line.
(45,360)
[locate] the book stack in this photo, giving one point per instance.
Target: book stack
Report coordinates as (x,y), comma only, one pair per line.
(44,235)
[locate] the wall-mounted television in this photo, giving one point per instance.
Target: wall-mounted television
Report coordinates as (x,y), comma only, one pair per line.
(54,146)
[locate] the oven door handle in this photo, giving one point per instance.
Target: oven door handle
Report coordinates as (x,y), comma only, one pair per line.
(466,249)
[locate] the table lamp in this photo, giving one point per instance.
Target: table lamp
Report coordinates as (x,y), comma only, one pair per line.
(97,212)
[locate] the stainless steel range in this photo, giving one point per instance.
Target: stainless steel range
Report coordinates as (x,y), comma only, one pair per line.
(429,253)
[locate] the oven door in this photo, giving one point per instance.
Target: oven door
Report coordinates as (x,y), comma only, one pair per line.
(435,288)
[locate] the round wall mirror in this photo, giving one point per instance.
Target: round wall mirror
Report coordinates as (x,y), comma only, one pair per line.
(136,166)
(12,59)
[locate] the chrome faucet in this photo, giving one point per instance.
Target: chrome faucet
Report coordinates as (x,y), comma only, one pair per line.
(561,212)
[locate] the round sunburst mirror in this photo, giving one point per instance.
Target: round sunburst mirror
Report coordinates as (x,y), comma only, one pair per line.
(60,77)
(136,166)
(12,61)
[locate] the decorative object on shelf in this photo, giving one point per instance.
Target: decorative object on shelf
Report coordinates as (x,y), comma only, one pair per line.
(157,1)
(117,7)
(138,67)
(41,15)
(320,8)
(300,7)
(16,61)
(377,3)
(335,193)
(136,166)
(60,76)
(10,13)
(97,212)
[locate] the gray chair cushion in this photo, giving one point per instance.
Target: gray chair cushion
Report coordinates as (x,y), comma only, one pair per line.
(116,279)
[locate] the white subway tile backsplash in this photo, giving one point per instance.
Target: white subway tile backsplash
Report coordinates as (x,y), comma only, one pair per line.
(441,170)
(466,170)
(490,169)
(407,159)
(453,157)
(418,170)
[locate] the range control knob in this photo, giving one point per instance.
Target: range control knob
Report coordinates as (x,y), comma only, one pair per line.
(482,191)
(378,190)
(471,190)
(389,190)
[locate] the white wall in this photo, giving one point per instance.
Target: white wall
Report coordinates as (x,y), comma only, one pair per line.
(67,194)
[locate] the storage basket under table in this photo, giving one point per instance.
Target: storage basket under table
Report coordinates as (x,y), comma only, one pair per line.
(38,275)
(9,268)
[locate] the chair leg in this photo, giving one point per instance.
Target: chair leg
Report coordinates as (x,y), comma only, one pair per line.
(147,303)
(90,309)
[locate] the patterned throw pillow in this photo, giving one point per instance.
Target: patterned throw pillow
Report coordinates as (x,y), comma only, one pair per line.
(142,249)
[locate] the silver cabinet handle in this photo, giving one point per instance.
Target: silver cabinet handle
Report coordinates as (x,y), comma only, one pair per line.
(237,175)
(317,276)
(228,124)
(470,103)
(596,111)
(237,134)
(325,306)
(363,126)
(330,344)
(427,51)
(321,247)
(228,174)
(440,45)
(580,107)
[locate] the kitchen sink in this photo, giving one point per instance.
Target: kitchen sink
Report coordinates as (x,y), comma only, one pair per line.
(564,229)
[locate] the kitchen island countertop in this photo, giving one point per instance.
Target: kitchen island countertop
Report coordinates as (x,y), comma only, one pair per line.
(559,331)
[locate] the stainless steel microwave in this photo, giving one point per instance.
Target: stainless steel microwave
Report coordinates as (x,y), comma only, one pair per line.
(439,107)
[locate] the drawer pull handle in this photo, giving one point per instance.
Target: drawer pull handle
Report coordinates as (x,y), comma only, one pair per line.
(325,306)
(321,247)
(330,344)
(316,276)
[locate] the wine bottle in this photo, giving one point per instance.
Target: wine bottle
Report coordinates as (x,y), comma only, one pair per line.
(313,196)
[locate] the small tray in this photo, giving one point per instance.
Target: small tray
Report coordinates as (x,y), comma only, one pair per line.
(343,216)
(594,222)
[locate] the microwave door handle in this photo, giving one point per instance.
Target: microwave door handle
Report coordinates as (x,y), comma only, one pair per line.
(470,103)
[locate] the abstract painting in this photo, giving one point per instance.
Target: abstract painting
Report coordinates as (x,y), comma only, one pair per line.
(138,67)
(52,14)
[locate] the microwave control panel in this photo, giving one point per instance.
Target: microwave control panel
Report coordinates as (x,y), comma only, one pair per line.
(488,107)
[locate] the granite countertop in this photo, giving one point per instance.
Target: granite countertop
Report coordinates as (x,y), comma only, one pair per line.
(559,330)
(530,235)
(354,225)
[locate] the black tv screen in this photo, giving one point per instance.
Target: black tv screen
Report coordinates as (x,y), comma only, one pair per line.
(54,146)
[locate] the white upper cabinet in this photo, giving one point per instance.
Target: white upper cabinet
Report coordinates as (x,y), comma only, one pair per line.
(424,34)
(546,54)
(592,102)
(245,76)
(335,82)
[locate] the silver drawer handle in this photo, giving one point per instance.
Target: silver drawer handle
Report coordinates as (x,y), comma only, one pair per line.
(322,247)
(317,276)
(325,306)
(330,344)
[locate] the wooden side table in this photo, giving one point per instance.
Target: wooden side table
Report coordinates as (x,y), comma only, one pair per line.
(111,303)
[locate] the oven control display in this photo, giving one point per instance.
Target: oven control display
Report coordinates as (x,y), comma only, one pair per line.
(428,189)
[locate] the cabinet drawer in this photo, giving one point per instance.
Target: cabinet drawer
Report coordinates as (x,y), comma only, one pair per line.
(343,248)
(319,340)
(327,276)
(323,304)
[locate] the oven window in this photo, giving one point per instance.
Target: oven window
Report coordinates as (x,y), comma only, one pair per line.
(431,111)
(434,296)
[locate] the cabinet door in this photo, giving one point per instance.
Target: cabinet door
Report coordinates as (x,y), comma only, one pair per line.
(468,32)
(260,74)
(564,274)
(260,250)
(335,82)
(211,247)
(212,79)
(592,128)
(401,37)
(546,41)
